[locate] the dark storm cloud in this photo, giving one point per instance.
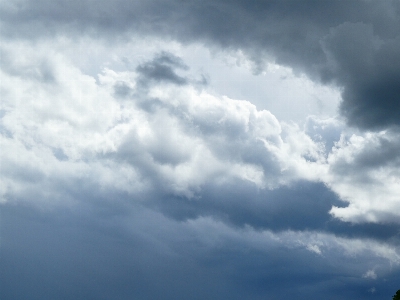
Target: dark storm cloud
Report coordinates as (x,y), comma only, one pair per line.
(72,254)
(367,66)
(240,203)
(353,44)
(301,206)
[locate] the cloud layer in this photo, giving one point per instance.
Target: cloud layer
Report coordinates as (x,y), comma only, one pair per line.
(353,45)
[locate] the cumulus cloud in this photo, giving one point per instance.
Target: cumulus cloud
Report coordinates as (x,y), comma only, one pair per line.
(363,171)
(143,129)
(186,139)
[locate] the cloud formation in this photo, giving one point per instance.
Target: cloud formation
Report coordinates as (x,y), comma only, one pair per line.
(353,45)
(125,159)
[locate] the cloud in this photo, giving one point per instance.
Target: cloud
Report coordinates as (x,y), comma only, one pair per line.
(184,140)
(161,68)
(364,63)
(354,45)
(363,171)
(139,253)
(314,248)
(163,139)
(370,274)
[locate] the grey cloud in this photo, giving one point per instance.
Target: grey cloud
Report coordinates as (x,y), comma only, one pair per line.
(353,44)
(241,203)
(162,69)
(41,72)
(381,151)
(4,131)
(366,65)
(142,255)
(59,154)
(300,207)
(160,150)
(385,151)
(121,90)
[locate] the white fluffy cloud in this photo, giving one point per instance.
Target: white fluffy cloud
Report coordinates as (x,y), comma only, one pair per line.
(364,172)
(59,124)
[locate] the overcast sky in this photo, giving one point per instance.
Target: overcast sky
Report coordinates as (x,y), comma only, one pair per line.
(199,149)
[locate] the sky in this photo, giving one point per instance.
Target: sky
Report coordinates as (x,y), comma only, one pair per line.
(198,149)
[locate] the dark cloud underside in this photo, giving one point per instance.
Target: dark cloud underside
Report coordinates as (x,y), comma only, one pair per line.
(302,206)
(78,257)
